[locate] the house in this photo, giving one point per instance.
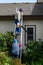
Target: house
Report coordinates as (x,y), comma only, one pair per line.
(32,19)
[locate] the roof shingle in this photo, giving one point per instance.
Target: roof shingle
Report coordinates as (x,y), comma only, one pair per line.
(28,8)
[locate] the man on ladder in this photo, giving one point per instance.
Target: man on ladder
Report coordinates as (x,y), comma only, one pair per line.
(17,42)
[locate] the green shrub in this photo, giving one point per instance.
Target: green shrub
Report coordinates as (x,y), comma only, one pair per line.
(5,59)
(34,53)
(6,41)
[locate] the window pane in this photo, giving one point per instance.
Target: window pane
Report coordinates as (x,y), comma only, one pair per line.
(29,38)
(29,31)
(30,34)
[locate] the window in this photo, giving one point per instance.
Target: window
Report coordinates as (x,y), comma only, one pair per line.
(31,32)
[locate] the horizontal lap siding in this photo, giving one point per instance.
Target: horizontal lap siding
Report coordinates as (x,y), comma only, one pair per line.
(6,25)
(39,28)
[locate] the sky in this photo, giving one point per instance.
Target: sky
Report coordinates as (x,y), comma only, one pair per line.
(16,1)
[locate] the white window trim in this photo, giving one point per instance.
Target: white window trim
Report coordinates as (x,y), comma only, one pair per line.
(34,31)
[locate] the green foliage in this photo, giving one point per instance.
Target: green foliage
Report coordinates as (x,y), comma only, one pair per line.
(9,38)
(6,41)
(5,59)
(33,53)
(5,46)
(24,56)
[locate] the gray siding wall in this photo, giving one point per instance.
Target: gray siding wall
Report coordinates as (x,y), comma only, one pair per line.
(39,28)
(6,25)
